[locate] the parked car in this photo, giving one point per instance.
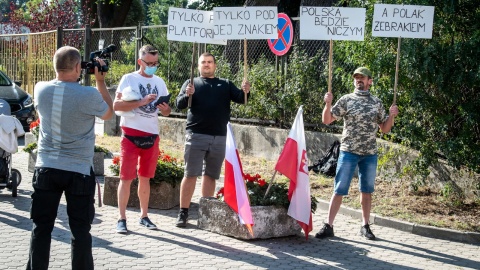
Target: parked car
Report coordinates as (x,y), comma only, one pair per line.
(21,103)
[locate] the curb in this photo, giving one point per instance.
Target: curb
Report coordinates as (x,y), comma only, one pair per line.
(423,230)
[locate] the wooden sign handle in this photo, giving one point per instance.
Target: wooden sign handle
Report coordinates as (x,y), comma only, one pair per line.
(330,66)
(192,72)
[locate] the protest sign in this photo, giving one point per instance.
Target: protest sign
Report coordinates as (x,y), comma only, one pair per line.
(332,23)
(245,22)
(191,25)
(405,21)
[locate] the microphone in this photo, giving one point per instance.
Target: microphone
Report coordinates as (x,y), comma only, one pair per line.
(109,49)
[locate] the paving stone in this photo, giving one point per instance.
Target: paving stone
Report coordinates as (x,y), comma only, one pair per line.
(192,248)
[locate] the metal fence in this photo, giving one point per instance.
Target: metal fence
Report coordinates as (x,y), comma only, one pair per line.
(28,57)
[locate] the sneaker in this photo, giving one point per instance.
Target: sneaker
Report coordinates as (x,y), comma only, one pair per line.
(145,221)
(182,219)
(122,226)
(325,231)
(366,232)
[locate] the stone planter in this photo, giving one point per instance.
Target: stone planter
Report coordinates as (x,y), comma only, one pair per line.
(32,158)
(29,138)
(270,221)
(98,163)
(162,195)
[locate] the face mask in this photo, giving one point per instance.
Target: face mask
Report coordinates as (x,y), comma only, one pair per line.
(150,70)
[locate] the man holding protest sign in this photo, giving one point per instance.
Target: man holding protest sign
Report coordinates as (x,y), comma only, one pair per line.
(206,129)
(362,115)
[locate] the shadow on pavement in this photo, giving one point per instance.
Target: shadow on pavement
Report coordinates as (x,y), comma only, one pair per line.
(422,252)
(279,253)
(61,231)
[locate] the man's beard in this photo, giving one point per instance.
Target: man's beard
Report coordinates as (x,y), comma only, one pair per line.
(361,86)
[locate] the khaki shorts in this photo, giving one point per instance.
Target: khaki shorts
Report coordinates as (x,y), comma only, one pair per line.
(204,154)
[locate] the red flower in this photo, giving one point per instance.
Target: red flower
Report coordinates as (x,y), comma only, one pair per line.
(35,123)
(262,182)
(116,160)
(249,178)
(220,193)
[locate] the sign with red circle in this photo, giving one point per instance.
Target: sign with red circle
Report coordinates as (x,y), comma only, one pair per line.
(282,44)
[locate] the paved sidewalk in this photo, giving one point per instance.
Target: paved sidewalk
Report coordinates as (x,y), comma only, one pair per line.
(192,248)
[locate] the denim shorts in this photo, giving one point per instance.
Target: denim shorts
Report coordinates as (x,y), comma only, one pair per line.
(204,152)
(346,165)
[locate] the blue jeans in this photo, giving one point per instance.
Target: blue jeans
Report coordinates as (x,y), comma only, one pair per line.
(49,185)
(367,171)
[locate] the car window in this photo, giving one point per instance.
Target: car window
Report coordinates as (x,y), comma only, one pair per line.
(4,81)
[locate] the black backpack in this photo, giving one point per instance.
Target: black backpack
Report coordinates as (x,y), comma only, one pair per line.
(328,163)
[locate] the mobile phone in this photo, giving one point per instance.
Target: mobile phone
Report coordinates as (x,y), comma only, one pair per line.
(162,99)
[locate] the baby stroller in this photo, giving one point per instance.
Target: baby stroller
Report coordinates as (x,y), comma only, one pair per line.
(10,129)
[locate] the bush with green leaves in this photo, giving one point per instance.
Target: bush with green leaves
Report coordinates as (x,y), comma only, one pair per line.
(439,83)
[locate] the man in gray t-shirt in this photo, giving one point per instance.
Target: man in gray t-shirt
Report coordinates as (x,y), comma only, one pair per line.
(363,114)
(66,144)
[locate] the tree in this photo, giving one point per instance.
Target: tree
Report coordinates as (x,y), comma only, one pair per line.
(44,15)
(112,13)
(158,10)
(439,82)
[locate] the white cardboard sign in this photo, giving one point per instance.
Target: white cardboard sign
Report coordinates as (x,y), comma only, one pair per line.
(406,21)
(191,25)
(245,22)
(336,23)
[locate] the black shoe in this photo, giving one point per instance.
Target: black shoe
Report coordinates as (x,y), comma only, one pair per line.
(366,232)
(145,221)
(182,219)
(325,231)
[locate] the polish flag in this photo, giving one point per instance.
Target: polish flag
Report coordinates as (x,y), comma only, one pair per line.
(293,163)
(235,190)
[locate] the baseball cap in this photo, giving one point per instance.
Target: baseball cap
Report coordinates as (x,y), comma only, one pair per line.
(363,71)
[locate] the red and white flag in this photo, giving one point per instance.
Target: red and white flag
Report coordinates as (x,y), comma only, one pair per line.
(293,163)
(235,190)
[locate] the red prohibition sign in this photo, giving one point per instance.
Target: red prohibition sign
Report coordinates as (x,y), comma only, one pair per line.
(282,44)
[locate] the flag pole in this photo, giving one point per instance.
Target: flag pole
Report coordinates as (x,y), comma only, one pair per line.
(330,66)
(191,72)
(396,75)
(270,184)
(396,72)
(245,75)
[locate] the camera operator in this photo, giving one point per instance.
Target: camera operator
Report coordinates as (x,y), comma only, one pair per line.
(64,163)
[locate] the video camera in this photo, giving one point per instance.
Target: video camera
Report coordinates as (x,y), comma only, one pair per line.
(102,54)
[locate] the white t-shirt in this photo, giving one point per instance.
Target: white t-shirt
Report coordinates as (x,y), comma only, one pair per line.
(146,117)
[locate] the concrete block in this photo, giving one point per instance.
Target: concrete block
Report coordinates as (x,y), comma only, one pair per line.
(98,163)
(29,138)
(447,234)
(111,126)
(270,221)
(162,195)
(32,159)
(393,223)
